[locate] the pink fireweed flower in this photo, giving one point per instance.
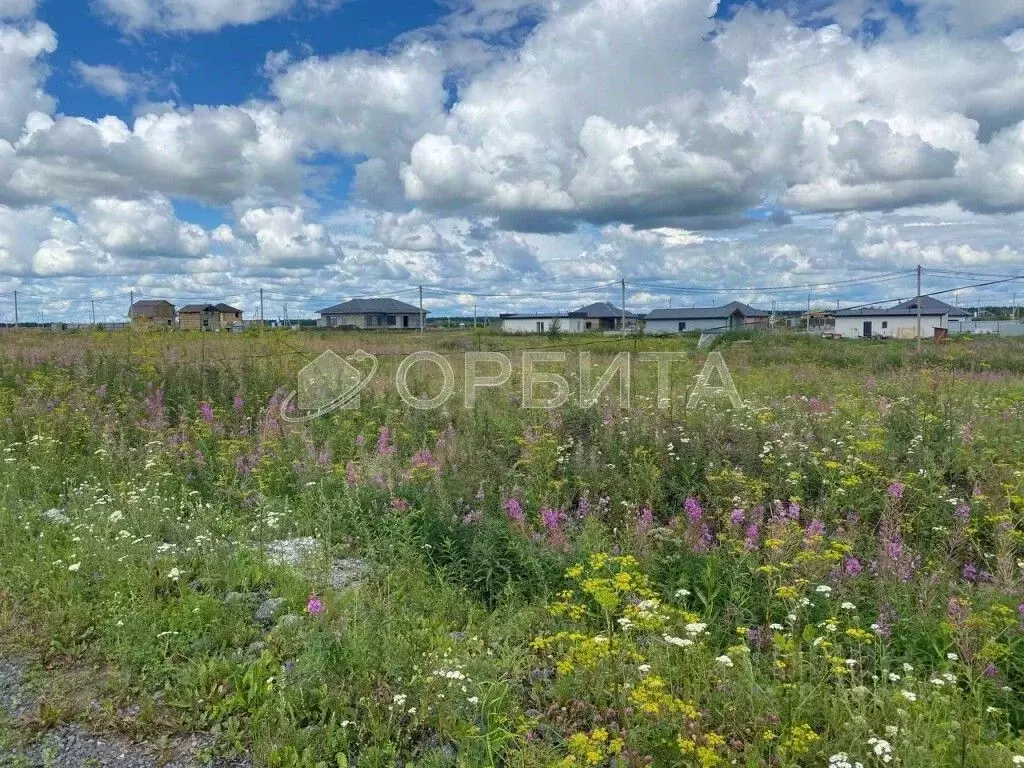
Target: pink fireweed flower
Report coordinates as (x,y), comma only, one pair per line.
(644,521)
(424,460)
(314,606)
(206,412)
(895,490)
(694,510)
(750,539)
(852,567)
(360,441)
(384,446)
(238,403)
(737,517)
(962,512)
(514,511)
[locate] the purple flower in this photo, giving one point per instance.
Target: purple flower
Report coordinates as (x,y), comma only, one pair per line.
(314,606)
(514,511)
(238,403)
(384,446)
(737,517)
(200,459)
(962,512)
(852,566)
(206,412)
(693,509)
(424,460)
(750,538)
(815,529)
(895,490)
(360,441)
(991,671)
(645,521)
(102,391)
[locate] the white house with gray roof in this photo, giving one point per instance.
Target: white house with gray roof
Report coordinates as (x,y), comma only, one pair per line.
(731,316)
(600,316)
(899,322)
(371,314)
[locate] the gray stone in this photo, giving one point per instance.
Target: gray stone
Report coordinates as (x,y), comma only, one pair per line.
(292,552)
(304,552)
(269,608)
(348,572)
(56,516)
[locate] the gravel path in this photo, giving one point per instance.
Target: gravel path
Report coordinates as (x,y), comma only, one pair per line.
(72,745)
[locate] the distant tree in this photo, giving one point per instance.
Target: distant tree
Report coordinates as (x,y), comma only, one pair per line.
(556,329)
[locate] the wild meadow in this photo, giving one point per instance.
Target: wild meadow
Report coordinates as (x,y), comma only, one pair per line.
(831,575)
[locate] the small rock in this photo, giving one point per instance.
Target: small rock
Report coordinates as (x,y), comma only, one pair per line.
(56,516)
(269,609)
(348,572)
(292,551)
(288,621)
(457,636)
(256,648)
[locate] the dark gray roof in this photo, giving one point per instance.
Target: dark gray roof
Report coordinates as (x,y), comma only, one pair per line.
(538,315)
(930,307)
(144,306)
(371,306)
(189,309)
(226,308)
(599,310)
(706,313)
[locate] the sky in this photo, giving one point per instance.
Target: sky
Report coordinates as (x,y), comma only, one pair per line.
(507,154)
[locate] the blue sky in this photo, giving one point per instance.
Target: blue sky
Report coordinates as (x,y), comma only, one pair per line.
(325,149)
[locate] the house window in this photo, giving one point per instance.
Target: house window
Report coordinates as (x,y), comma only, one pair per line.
(682,325)
(392,320)
(540,327)
(885,324)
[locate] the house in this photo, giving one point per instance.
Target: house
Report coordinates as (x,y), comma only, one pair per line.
(707,319)
(199,317)
(228,315)
(371,313)
(601,316)
(152,313)
(899,322)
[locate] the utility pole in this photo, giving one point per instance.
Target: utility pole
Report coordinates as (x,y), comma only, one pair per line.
(92,303)
(919,309)
(15,309)
(421,310)
(474,315)
(261,306)
(623,306)
(131,303)
(808,323)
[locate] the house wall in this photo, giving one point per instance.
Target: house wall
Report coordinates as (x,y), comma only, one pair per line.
(153,322)
(227,319)
(529,324)
(897,327)
(369,321)
(197,321)
(697,324)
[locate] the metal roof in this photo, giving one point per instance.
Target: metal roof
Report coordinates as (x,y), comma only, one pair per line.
(600,309)
(189,309)
(226,308)
(371,306)
(706,313)
(148,305)
(930,307)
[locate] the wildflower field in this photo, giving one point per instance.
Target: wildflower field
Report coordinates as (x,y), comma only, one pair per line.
(831,575)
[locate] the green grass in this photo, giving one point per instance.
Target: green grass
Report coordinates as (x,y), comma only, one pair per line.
(600,586)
